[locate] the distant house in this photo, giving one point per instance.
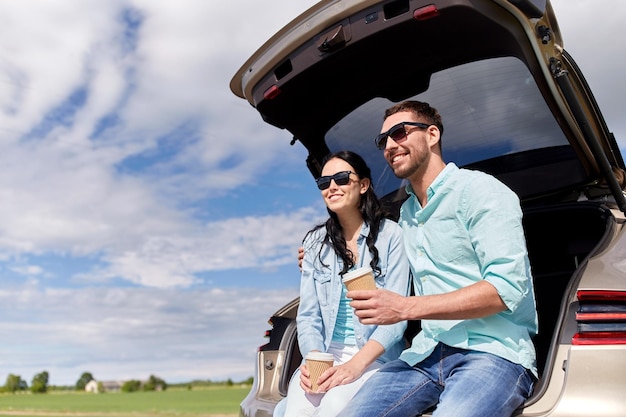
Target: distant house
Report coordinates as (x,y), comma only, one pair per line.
(103,386)
(92,386)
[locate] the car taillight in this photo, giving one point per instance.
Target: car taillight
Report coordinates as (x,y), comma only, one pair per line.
(266,335)
(601,318)
(426,12)
(271,92)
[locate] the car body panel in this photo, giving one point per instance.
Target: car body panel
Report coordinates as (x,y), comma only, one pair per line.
(585,364)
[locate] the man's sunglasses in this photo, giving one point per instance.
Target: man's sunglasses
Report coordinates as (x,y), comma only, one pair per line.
(340,178)
(397,133)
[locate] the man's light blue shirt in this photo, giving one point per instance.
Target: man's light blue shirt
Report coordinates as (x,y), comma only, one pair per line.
(321,290)
(471,230)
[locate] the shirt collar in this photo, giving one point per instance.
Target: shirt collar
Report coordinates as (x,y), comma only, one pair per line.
(437,183)
(365,229)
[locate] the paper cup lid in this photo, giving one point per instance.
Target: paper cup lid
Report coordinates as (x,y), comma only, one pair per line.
(356,273)
(320,356)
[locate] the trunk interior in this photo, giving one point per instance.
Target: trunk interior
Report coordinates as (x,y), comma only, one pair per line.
(559,239)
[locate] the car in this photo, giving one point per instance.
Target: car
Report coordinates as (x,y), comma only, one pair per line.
(515,105)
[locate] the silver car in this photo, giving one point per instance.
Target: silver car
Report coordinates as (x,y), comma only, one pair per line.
(515,105)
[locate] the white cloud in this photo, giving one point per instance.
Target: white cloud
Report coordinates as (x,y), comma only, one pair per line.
(172,260)
(175,334)
(68,200)
(140,72)
(43,54)
(28,270)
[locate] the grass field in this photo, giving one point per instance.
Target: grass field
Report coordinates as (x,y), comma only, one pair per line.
(205,402)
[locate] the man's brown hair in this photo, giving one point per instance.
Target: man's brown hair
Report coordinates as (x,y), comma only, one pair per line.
(424,112)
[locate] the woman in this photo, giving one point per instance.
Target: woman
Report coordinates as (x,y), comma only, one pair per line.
(356,234)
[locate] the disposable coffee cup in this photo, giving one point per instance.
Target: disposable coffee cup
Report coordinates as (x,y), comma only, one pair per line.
(360,279)
(318,362)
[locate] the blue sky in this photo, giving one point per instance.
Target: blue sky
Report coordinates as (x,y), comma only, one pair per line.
(150,220)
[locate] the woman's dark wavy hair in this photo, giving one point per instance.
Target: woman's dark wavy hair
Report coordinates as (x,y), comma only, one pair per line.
(371,209)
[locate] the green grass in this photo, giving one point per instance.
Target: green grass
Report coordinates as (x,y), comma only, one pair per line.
(172,402)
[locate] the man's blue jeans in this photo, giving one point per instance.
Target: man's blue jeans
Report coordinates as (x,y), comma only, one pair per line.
(460,383)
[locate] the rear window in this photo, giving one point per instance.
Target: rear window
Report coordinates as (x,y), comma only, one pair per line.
(489,108)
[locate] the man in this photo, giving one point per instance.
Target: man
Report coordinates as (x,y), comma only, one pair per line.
(463,235)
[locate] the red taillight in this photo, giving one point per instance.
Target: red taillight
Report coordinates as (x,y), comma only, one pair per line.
(599,338)
(599,295)
(601,318)
(271,92)
(605,316)
(426,12)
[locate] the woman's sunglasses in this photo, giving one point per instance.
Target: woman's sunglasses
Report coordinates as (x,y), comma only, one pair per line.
(397,133)
(340,178)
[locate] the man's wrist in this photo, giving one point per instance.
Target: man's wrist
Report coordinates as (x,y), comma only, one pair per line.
(407,308)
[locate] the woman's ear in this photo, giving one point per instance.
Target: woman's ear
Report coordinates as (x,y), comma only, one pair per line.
(365,184)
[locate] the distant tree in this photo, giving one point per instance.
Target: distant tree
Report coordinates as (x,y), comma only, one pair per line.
(131,386)
(14,383)
(155,384)
(40,383)
(83,381)
(229,382)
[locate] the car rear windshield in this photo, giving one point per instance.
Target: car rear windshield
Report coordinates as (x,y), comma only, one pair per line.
(490,108)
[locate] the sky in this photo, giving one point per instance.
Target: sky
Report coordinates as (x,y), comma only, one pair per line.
(149,219)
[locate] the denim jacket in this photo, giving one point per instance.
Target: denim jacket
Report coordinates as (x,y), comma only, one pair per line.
(320,290)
